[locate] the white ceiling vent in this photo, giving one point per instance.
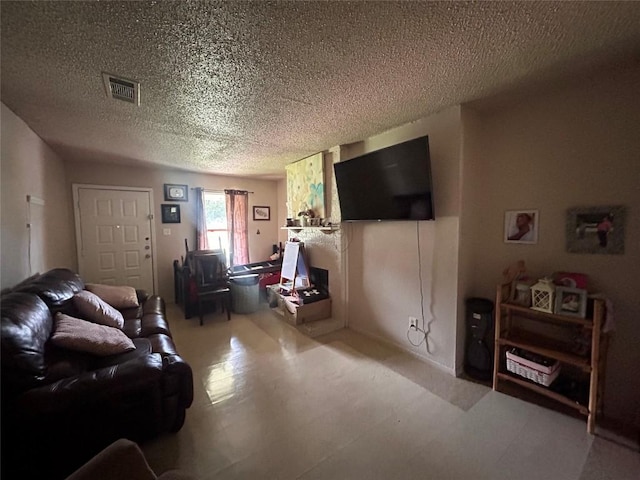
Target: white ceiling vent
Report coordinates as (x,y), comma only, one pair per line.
(121,88)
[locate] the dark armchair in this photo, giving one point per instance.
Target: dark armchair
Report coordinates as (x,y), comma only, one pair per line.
(212,280)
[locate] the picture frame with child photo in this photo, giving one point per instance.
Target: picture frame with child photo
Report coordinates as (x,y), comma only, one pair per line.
(571,301)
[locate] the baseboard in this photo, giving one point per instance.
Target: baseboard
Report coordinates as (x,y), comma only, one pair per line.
(619,431)
(402,348)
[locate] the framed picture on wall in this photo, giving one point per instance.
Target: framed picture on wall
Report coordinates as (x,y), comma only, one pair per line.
(170,213)
(521,226)
(177,193)
(261,213)
(596,230)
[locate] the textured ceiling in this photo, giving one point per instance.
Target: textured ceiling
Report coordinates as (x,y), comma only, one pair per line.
(244,88)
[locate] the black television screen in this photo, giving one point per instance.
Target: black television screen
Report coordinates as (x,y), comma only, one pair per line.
(389,184)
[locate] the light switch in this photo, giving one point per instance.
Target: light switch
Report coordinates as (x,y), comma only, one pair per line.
(166,231)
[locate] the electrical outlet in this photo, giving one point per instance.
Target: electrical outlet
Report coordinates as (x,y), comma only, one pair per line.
(413,323)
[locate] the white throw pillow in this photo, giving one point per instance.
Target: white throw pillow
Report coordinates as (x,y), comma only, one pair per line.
(116,296)
(76,334)
(93,308)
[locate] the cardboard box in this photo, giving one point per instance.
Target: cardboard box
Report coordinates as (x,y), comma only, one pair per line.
(298,314)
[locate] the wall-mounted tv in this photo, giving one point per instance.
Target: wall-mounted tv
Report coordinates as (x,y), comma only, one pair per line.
(389,184)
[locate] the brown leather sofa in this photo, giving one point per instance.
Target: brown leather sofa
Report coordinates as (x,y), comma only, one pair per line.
(60,407)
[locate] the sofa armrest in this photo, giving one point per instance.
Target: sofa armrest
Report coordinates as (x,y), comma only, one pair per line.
(89,388)
(174,365)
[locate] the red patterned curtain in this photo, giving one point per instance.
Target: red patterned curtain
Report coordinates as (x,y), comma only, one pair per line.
(237,202)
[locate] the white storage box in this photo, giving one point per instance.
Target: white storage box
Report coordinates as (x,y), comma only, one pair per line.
(531,369)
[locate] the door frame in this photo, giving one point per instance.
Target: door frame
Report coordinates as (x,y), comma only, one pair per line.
(76,214)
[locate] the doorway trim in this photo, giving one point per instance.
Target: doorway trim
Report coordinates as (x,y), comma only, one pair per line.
(76,214)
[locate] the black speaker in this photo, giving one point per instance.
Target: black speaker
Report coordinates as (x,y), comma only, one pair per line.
(478,361)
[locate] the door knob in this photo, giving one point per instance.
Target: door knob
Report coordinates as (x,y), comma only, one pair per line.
(147,256)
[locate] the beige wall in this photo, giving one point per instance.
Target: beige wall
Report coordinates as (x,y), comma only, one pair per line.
(578,145)
(384,262)
(171,247)
(282,209)
(29,167)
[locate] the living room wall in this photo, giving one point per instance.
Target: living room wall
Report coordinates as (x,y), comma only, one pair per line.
(384,261)
(575,144)
(171,247)
(30,167)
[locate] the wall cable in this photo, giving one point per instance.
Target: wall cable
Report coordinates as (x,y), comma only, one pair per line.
(422,330)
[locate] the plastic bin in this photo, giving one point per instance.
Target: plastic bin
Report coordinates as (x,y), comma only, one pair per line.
(245,293)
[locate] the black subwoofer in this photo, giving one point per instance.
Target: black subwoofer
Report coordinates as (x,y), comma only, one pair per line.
(478,362)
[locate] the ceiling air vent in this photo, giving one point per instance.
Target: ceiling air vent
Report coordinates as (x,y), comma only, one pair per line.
(121,88)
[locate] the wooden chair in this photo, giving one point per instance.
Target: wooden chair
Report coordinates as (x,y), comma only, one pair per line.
(212,280)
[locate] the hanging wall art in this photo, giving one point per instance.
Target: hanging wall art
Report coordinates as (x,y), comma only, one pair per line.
(305,186)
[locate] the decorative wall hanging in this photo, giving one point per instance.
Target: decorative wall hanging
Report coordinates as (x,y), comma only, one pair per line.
(521,226)
(170,213)
(305,186)
(596,230)
(261,213)
(173,192)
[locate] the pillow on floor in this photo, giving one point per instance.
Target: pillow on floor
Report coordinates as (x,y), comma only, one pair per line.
(96,310)
(76,334)
(120,296)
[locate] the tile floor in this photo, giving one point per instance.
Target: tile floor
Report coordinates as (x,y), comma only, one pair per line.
(271,403)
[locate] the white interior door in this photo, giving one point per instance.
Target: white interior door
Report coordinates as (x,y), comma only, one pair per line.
(114,232)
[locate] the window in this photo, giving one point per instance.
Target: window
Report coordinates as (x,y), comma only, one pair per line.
(215,211)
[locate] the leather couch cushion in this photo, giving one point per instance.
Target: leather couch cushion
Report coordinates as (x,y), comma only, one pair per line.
(26,327)
(120,296)
(131,313)
(132,327)
(154,304)
(64,363)
(76,334)
(162,344)
(154,323)
(56,287)
(143,348)
(92,308)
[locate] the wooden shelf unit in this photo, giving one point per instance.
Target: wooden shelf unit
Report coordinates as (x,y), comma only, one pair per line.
(510,332)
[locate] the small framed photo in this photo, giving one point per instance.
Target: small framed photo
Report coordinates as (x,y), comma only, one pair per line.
(176,193)
(521,293)
(596,230)
(170,213)
(521,226)
(571,301)
(261,213)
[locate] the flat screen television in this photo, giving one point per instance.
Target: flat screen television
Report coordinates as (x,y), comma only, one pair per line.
(389,184)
